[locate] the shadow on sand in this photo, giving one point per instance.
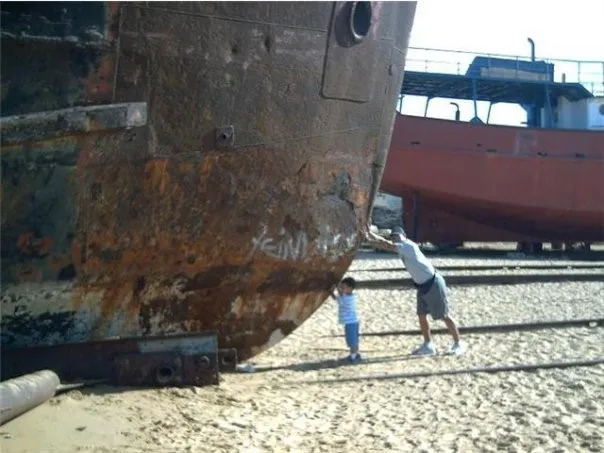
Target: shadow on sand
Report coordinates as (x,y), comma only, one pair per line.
(333,363)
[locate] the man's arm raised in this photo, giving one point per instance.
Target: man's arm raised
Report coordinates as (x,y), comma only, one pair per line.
(378,242)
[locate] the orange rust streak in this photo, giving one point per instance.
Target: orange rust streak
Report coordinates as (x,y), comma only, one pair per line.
(27,243)
(114,300)
(167,255)
(185,167)
(360,197)
(206,166)
(157,176)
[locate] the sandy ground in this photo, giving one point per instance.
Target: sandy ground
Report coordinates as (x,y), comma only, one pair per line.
(302,398)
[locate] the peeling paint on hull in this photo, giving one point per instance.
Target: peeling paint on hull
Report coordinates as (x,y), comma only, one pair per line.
(233,202)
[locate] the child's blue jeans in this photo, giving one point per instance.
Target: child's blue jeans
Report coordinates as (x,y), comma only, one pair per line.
(351,332)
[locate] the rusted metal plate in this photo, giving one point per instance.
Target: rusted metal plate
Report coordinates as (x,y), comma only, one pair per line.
(173,226)
(170,360)
(163,369)
(56,123)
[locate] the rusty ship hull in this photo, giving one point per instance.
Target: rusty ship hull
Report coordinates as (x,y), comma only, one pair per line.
(463,182)
(188,166)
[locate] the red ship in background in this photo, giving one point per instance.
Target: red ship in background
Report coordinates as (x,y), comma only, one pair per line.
(475,182)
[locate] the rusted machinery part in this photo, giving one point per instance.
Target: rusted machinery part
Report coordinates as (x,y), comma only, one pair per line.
(493,279)
(169,360)
(492,267)
(488,328)
(451,372)
(25,392)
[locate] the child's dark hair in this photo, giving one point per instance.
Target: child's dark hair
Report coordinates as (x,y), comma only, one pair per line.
(349,281)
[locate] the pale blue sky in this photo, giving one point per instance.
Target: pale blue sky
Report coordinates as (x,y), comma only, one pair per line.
(560,29)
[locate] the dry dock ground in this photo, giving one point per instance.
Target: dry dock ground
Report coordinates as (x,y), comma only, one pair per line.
(301,399)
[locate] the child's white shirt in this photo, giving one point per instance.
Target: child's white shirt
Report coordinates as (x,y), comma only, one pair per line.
(347,309)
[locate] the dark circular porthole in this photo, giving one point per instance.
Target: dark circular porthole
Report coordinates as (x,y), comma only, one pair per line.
(360,20)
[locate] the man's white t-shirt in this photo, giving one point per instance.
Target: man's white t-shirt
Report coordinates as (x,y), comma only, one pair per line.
(416,263)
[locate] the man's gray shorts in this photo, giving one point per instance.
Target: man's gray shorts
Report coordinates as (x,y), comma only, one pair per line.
(433,300)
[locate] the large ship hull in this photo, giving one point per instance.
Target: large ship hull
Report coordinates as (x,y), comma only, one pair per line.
(184,167)
(470,182)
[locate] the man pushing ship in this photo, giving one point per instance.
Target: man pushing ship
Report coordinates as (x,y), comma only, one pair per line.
(432,296)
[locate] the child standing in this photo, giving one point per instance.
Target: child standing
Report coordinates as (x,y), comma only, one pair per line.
(347,315)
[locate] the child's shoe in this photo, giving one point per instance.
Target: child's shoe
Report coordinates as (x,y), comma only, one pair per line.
(353,358)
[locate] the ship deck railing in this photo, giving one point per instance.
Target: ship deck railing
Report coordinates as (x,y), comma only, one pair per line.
(588,73)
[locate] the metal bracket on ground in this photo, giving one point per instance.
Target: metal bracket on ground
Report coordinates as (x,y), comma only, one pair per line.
(179,360)
(227,359)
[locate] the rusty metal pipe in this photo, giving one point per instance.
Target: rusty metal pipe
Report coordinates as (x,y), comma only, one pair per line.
(25,392)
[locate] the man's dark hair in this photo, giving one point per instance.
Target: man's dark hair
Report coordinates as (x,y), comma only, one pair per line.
(349,281)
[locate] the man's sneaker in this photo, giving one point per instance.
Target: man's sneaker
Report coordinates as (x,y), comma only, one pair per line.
(457,348)
(425,349)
